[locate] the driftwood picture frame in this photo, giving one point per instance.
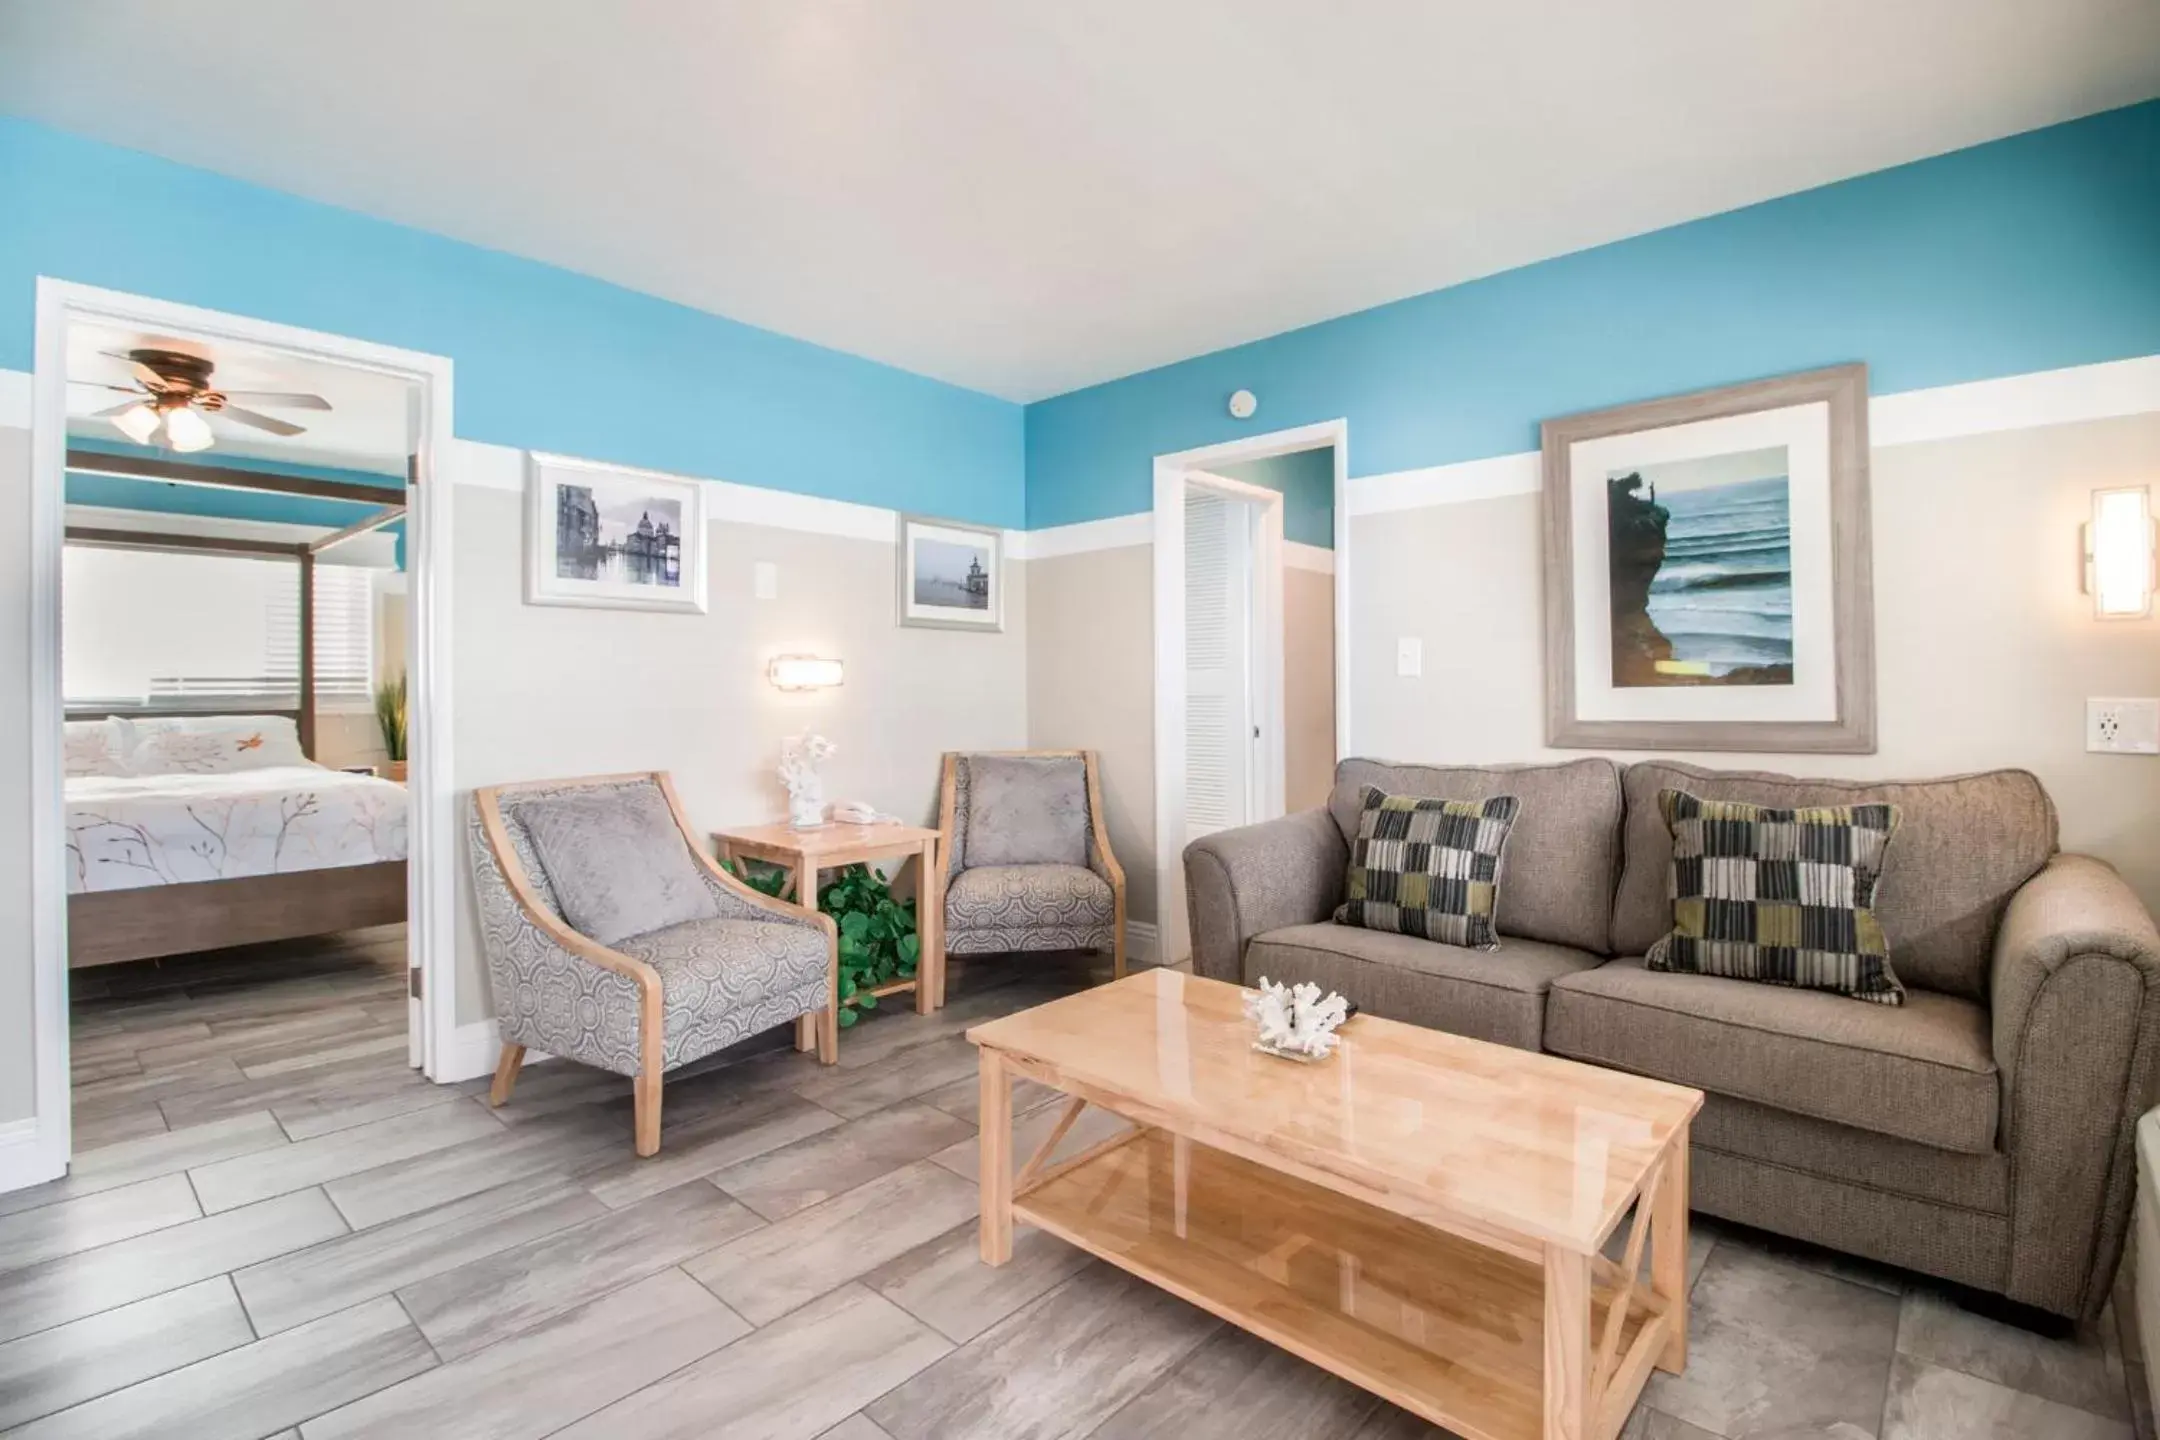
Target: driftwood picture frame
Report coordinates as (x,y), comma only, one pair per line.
(1708,583)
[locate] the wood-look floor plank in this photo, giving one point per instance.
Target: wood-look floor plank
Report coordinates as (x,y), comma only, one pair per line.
(792,1380)
(229,1184)
(306,1119)
(485,1300)
(71,1363)
(258,1043)
(536,1156)
(1237,1386)
(537,1381)
(343,1083)
(73,1286)
(108,1167)
(66,1226)
(945,1285)
(903,1076)
(769,1272)
(856,1427)
(962,1099)
(294,1289)
(795,1177)
(726,1135)
(257,1388)
(388,1042)
(1060,1367)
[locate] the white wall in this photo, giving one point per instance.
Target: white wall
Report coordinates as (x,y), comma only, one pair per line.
(545,691)
(1985,647)
(17,1058)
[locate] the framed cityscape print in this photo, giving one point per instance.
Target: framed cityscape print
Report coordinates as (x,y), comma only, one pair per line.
(952,577)
(1707,580)
(602,535)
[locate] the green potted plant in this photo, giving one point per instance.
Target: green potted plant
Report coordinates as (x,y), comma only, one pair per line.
(390,718)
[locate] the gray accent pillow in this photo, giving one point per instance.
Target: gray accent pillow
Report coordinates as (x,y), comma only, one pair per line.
(1027,810)
(617,862)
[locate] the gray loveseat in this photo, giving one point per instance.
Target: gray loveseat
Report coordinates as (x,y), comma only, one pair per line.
(1982,1132)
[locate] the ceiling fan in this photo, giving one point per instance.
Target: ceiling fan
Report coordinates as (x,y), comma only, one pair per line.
(172,393)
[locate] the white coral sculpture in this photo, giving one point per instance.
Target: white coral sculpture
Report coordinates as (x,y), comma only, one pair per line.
(801,756)
(1294,1019)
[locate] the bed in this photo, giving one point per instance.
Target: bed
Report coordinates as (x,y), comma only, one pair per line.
(192,832)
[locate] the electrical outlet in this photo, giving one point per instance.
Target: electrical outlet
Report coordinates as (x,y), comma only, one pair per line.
(2122,727)
(1409,656)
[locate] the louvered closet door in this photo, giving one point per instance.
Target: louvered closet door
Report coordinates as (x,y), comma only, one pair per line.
(1218,644)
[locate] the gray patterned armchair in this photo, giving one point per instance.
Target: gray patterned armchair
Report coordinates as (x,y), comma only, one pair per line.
(614,940)
(1028,863)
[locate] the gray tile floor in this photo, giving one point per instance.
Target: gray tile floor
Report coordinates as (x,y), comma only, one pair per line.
(273,1229)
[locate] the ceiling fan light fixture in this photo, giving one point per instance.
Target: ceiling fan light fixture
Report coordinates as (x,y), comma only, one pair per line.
(137,422)
(185,431)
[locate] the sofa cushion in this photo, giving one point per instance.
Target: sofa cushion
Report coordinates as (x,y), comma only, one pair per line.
(1964,845)
(1496,995)
(1027,810)
(1780,897)
(1923,1071)
(1562,854)
(1427,867)
(616,861)
(1027,897)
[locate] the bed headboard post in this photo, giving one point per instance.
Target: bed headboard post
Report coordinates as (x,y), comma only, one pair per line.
(307,653)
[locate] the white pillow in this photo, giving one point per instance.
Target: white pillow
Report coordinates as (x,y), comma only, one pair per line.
(96,747)
(214,744)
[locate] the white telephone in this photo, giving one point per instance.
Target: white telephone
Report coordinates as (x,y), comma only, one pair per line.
(860,812)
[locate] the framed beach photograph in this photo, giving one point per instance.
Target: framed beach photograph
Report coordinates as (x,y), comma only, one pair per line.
(1707,581)
(952,577)
(602,535)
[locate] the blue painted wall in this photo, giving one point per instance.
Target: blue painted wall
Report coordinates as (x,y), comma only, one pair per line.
(1306,481)
(546,359)
(2030,253)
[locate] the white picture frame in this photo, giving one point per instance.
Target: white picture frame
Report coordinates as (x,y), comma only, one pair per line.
(583,548)
(951,576)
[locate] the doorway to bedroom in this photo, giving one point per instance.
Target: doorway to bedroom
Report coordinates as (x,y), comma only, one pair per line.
(235,680)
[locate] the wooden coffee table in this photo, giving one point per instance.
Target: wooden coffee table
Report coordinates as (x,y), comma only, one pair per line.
(1421,1214)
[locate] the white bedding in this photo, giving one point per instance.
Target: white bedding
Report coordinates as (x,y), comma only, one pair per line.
(128,831)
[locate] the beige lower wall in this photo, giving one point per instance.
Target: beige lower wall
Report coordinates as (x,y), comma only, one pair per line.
(542,691)
(18,1058)
(1308,687)
(1091,685)
(1985,647)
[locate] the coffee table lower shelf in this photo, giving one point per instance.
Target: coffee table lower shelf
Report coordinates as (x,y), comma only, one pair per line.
(1439,1325)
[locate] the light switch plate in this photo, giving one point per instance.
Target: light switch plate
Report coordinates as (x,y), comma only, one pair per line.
(765,580)
(2122,726)
(1409,656)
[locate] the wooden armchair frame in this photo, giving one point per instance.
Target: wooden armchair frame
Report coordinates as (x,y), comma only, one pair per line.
(825,1024)
(948,781)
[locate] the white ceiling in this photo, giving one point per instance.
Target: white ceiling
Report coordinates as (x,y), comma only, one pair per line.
(364,429)
(1025,197)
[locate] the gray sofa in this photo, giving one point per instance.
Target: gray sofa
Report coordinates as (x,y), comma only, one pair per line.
(1982,1132)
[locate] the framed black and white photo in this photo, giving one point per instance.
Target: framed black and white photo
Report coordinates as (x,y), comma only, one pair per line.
(615,538)
(1707,578)
(952,577)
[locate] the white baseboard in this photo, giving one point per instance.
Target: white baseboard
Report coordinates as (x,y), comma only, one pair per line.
(472,1053)
(1141,947)
(28,1156)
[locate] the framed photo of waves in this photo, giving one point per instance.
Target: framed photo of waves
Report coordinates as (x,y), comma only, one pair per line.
(1707,581)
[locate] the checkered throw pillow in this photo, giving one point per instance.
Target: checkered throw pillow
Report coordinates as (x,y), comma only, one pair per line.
(1429,868)
(1781,896)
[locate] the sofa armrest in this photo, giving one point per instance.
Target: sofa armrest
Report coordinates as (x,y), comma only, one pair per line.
(1240,883)
(2075,1000)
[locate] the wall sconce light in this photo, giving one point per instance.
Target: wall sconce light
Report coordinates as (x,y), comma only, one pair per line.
(2119,561)
(803,672)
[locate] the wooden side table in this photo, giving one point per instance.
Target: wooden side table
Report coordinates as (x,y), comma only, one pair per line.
(802,853)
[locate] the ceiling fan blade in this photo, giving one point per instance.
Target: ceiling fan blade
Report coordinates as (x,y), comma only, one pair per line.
(101,385)
(261,422)
(121,409)
(149,377)
(285,399)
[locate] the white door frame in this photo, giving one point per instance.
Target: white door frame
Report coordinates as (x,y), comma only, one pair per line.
(433,833)
(1173,472)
